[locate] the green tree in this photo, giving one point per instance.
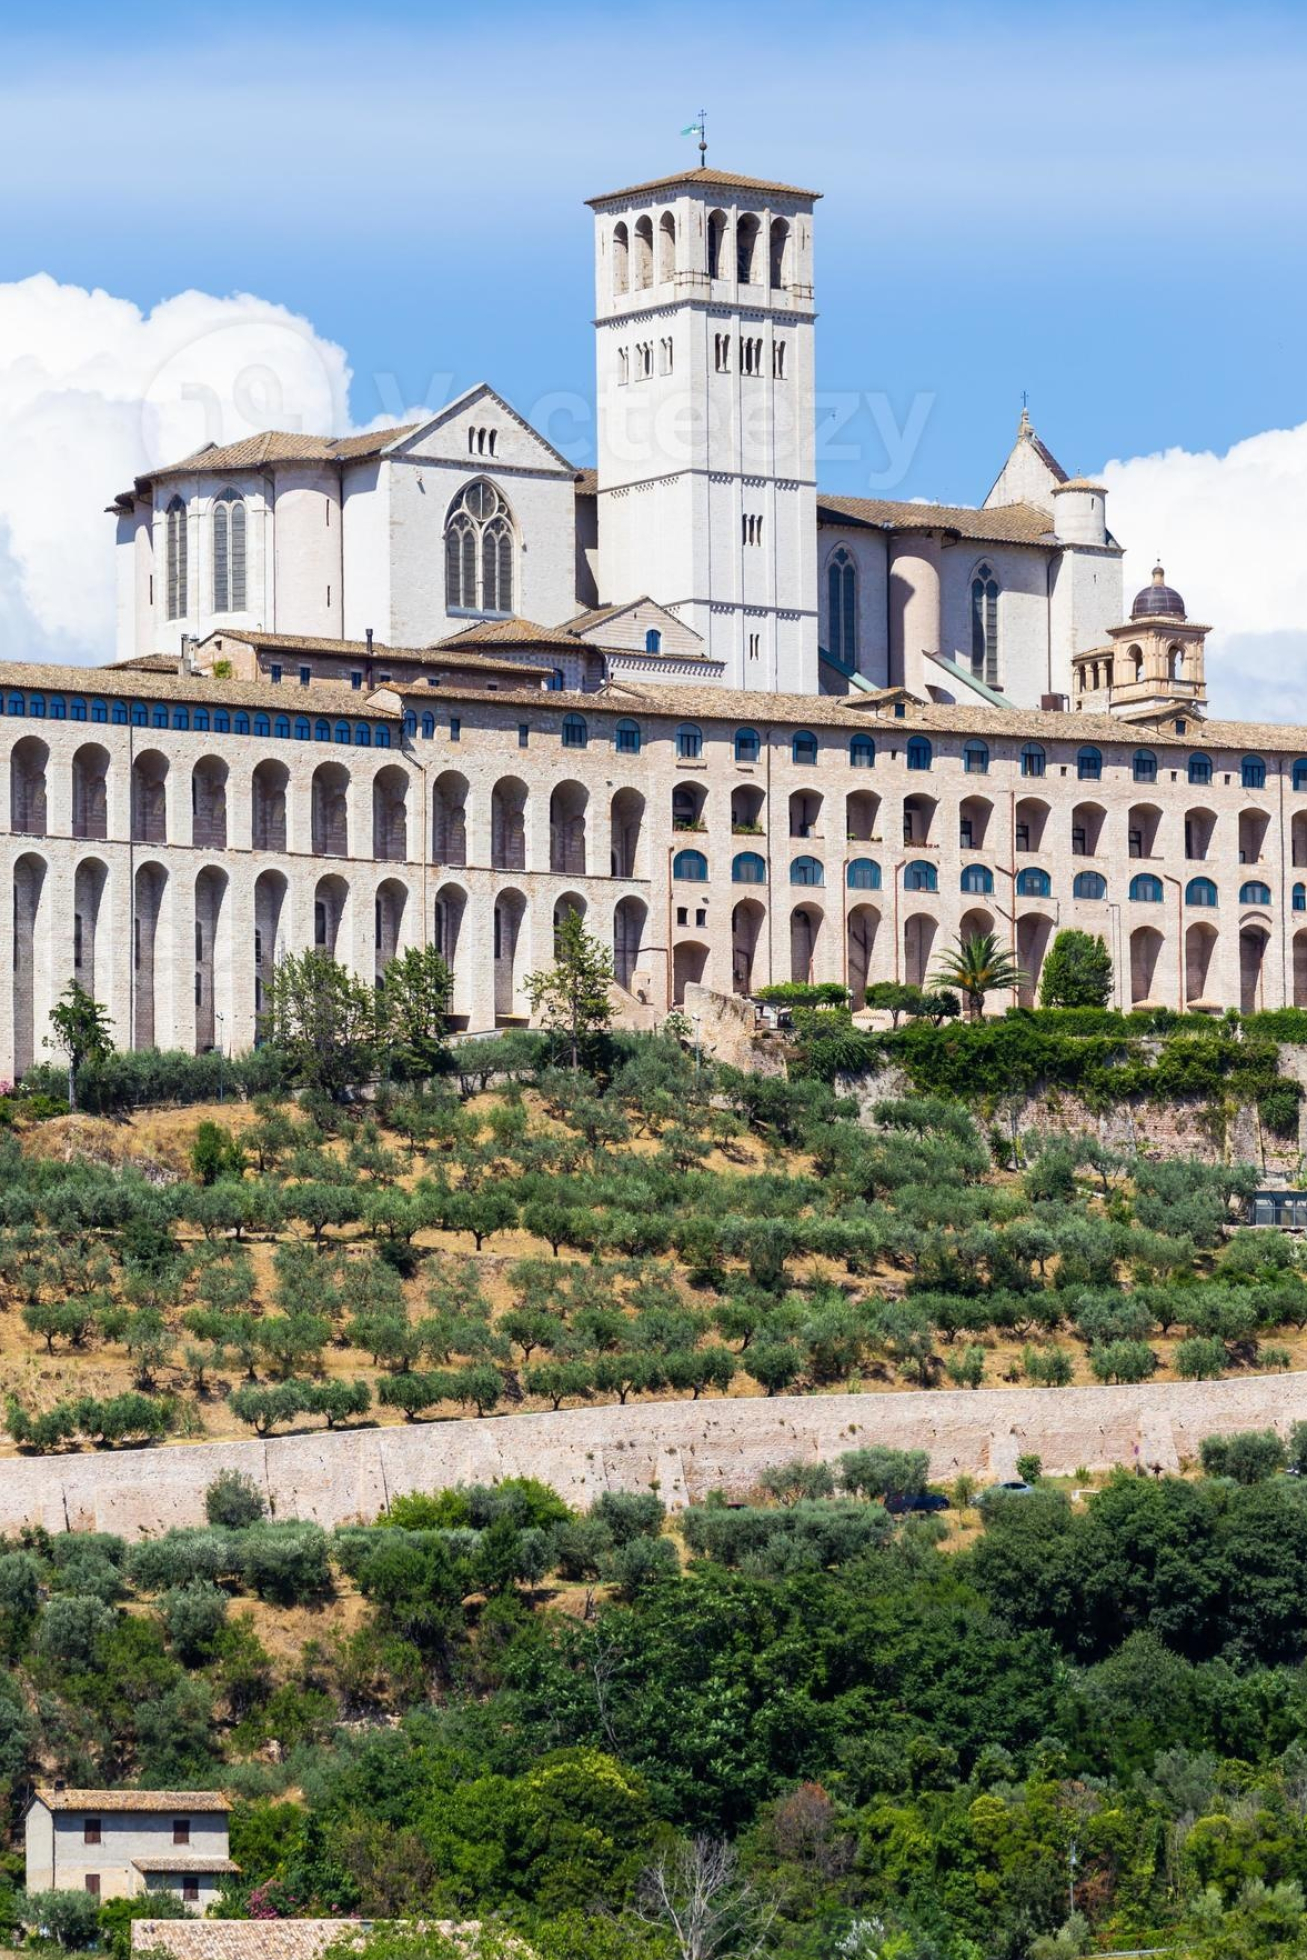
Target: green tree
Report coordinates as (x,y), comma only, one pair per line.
(572,994)
(323,1021)
(81,1027)
(1077,971)
(978,965)
(412,1011)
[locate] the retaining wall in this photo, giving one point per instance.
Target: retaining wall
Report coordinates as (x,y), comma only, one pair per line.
(684,1448)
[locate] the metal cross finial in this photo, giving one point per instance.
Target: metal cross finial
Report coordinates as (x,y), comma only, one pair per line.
(1025,399)
(699,128)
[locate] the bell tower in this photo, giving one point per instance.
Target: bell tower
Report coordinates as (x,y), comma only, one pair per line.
(704,354)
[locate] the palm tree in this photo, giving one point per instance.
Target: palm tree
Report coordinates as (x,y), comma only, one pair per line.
(977,966)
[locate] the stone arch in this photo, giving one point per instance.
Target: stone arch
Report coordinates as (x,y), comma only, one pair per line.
(568,803)
(630,916)
(806,923)
(150,803)
(861,816)
(747,803)
(1146,945)
(860,932)
(508,807)
(642,253)
(389,911)
(689,963)
(746,248)
(1300,969)
(449,819)
(510,951)
(626,829)
(1254,939)
(269,787)
(28,761)
(212,961)
(1143,821)
(269,935)
(747,919)
(666,247)
(1034,931)
(918,817)
(919,932)
(91,792)
(688,804)
(1087,820)
(390,814)
(150,965)
(209,804)
(974,816)
(89,882)
(1200,943)
(1253,826)
(805,812)
(30,955)
(1031,822)
(447,937)
(975,923)
(330,804)
(331,898)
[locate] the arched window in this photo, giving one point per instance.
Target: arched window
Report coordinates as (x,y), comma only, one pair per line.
(575,733)
(241,726)
(99,711)
(842,608)
(302,730)
(746,249)
(1089,884)
(17,705)
(363,736)
(691,867)
(557,681)
(642,251)
(1300,773)
(1200,891)
(919,752)
(748,746)
(803,748)
(1089,765)
(1144,766)
(228,553)
(1254,893)
(807,871)
(919,876)
(975,758)
(36,708)
(863,875)
(158,713)
(382,740)
(666,247)
(58,711)
(78,710)
(428,725)
(262,725)
(862,752)
(479,551)
(1033,761)
(627,738)
(747,868)
(410,724)
(140,715)
(1146,889)
(779,255)
(689,742)
(653,640)
(221,722)
(200,722)
(1200,768)
(281,728)
(977,879)
(1252,772)
(984,626)
(1300,898)
(717,245)
(322,731)
(175,559)
(621,257)
(1033,883)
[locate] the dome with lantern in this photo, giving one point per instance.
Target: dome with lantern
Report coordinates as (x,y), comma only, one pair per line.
(1158,600)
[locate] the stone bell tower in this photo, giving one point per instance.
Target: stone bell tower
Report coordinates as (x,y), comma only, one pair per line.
(1156,660)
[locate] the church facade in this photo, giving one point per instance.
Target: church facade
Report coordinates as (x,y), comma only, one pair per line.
(434,685)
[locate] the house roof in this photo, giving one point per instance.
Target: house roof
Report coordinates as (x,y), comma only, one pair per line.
(1004,524)
(146,663)
(270,446)
(587,483)
(177,1802)
(183,1866)
(727,180)
(328,697)
(509,633)
(358,649)
(279,1939)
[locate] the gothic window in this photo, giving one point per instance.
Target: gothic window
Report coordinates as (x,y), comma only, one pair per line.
(175,558)
(643,252)
(984,626)
(228,553)
(778,360)
(479,552)
(842,608)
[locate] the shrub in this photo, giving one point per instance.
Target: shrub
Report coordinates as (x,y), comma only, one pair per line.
(72,1629)
(1200,1358)
(1123,1361)
(882,1472)
(629,1514)
(194,1615)
(179,1557)
(71,1919)
(1077,971)
(234,1500)
(286,1563)
(966,1367)
(638,1563)
(1278,1108)
(1250,1456)
(1030,1468)
(804,993)
(117,1915)
(1047,1367)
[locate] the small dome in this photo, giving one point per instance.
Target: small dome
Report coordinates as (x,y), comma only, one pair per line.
(1158,600)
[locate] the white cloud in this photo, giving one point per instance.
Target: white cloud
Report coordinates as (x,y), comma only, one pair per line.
(1230,531)
(93,391)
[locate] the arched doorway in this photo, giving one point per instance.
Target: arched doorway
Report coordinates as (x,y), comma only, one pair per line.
(746,933)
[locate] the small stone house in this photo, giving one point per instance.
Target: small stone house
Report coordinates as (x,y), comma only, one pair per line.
(117,1843)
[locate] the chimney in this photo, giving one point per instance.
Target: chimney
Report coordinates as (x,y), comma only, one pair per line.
(59,1783)
(368,637)
(1053,704)
(187,662)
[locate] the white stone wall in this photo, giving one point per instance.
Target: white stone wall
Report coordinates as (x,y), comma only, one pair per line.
(59,1859)
(308,543)
(365,551)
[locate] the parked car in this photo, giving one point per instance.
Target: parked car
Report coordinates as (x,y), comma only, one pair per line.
(916,1500)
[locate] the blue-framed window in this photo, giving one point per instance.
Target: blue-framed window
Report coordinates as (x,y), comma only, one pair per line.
(1089,764)
(1300,898)
(1146,889)
(1252,772)
(803,748)
(428,725)
(689,742)
(920,876)
(1200,891)
(1033,883)
(262,725)
(303,732)
(1200,769)
(691,867)
(201,721)
(1144,766)
(748,868)
(342,734)
(17,705)
(159,715)
(381,740)
(100,710)
(807,871)
(1300,773)
(1033,760)
(58,711)
(977,879)
(862,752)
(748,745)
(240,723)
(140,715)
(181,718)
(78,709)
(626,739)
(653,640)
(363,735)
(410,726)
(575,733)
(863,875)
(36,706)
(221,722)
(1089,884)
(1254,893)
(120,713)
(556,682)
(322,731)
(975,758)
(281,728)
(920,753)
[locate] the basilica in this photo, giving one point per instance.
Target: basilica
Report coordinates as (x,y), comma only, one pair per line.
(435,685)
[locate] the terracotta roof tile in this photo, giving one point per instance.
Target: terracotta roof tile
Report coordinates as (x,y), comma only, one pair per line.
(179,1801)
(727,180)
(1004,524)
(327,697)
(509,633)
(184,1865)
(273,446)
(358,649)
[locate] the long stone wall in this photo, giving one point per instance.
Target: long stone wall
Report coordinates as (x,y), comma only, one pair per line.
(683,1449)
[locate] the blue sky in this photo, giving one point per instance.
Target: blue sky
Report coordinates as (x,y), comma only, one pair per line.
(1103,206)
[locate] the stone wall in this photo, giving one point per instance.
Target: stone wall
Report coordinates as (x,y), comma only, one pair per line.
(683,1449)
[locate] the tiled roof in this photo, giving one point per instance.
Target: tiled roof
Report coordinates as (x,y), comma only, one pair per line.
(276,1939)
(1004,524)
(509,633)
(726,180)
(147,663)
(328,697)
(358,649)
(177,1802)
(184,1865)
(587,483)
(272,446)
(596,615)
